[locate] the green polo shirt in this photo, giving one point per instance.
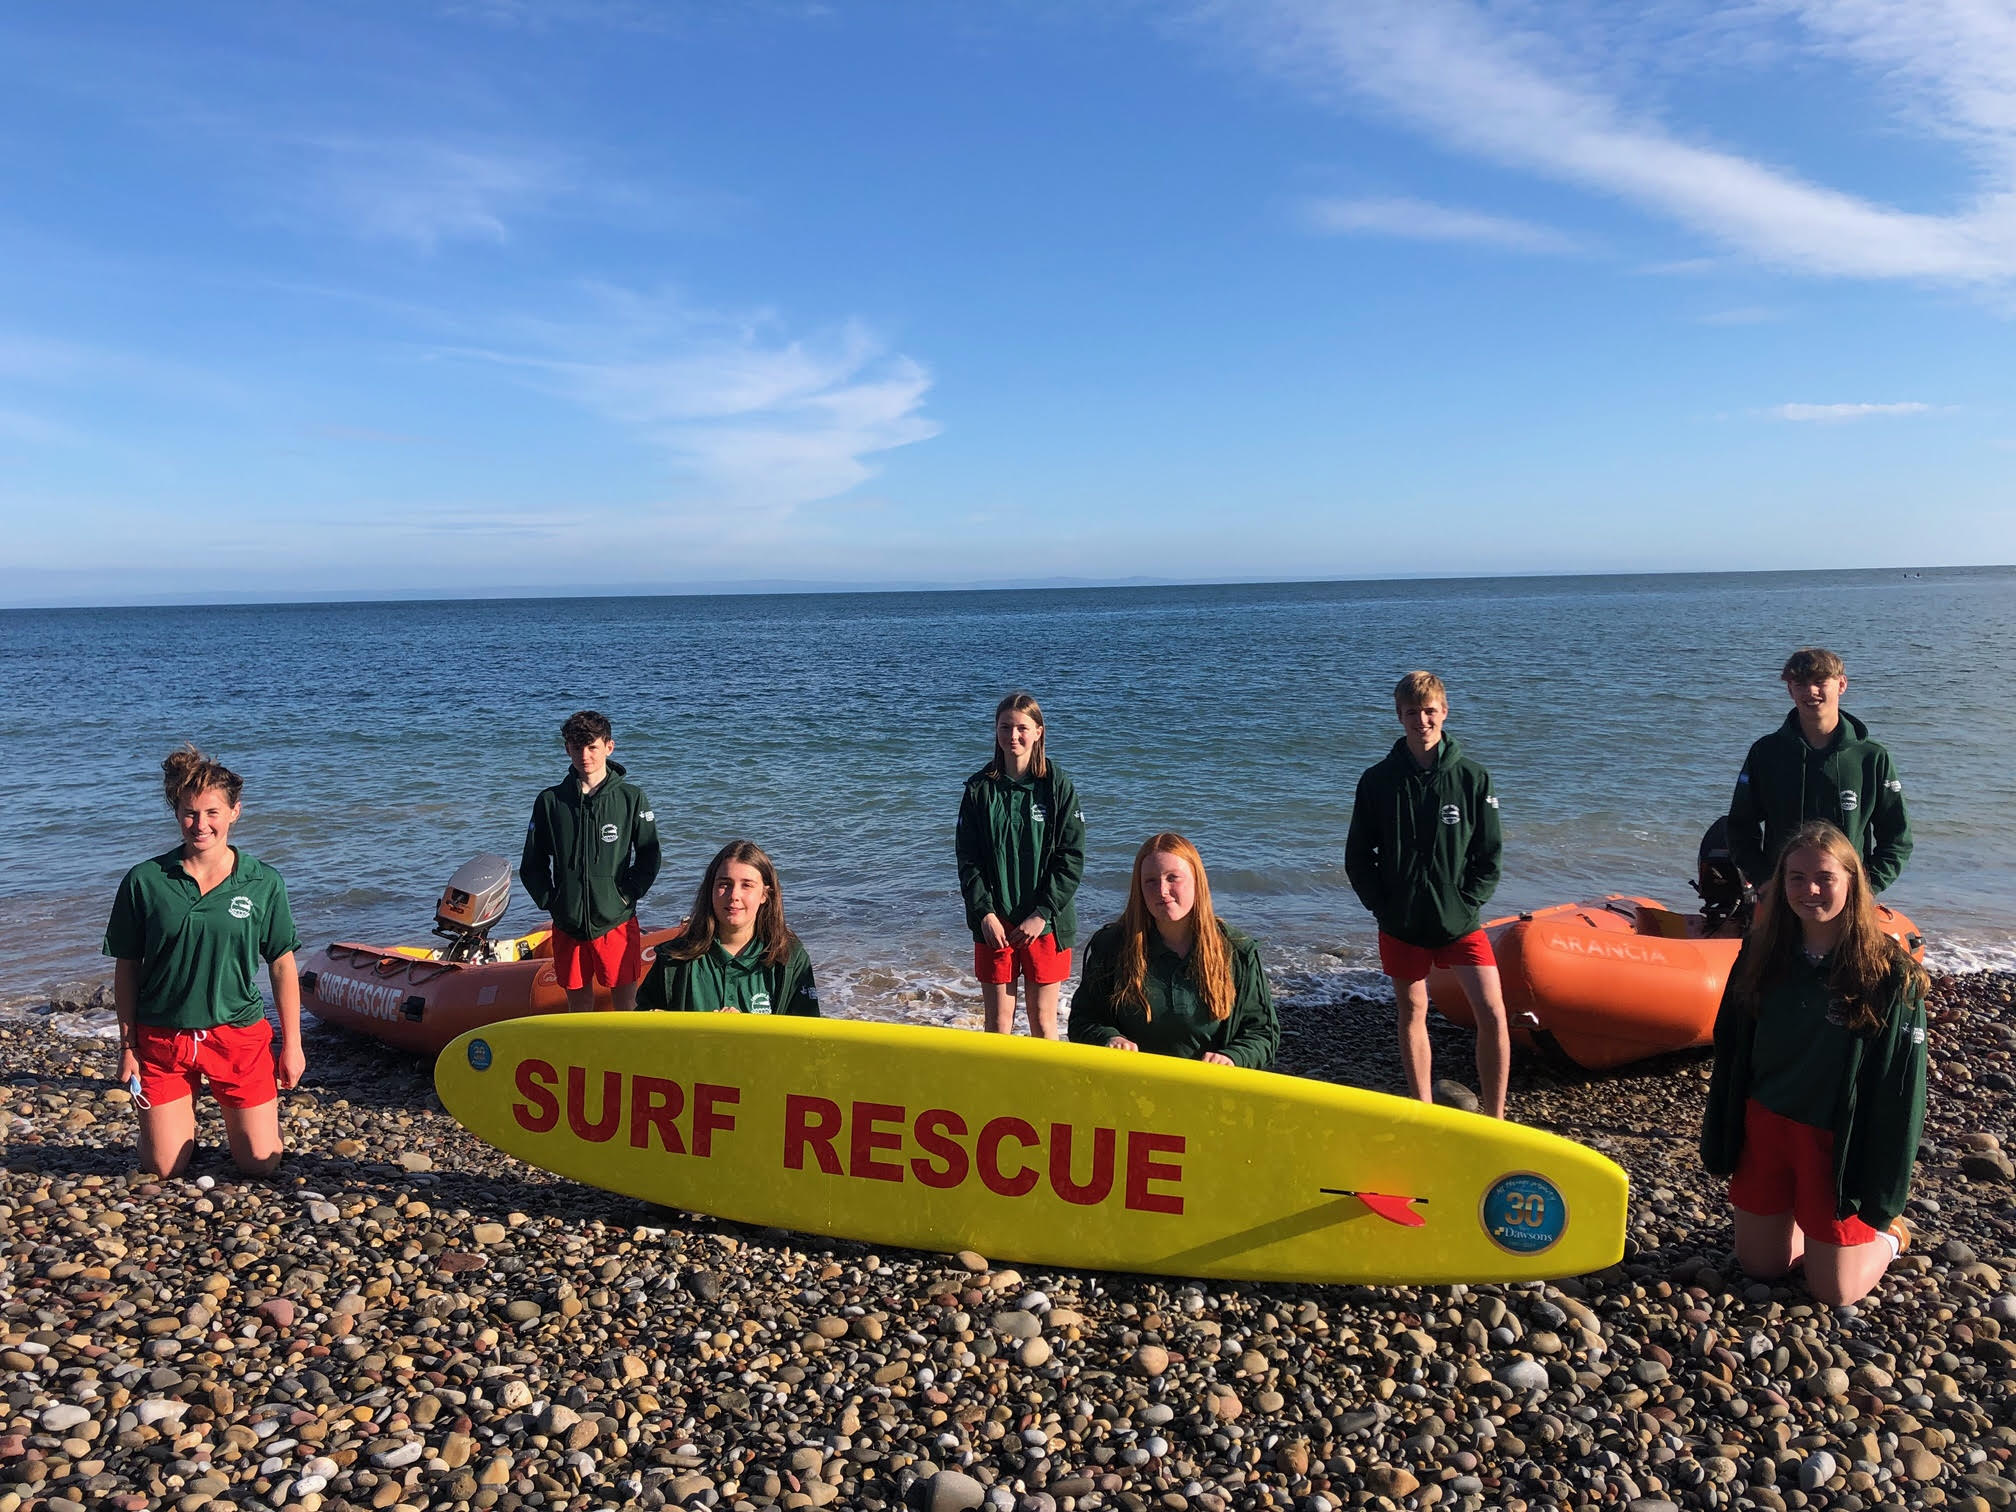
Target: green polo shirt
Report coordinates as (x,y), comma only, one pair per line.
(199,953)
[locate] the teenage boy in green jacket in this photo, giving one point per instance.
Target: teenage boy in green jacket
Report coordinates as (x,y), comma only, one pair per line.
(591,851)
(1422,855)
(1819,764)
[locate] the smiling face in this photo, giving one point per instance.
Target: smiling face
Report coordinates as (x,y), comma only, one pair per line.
(1018,736)
(1168,887)
(591,761)
(739,896)
(1422,722)
(1817,887)
(206,819)
(1818,700)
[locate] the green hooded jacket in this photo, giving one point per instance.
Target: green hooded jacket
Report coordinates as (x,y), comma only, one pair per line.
(743,981)
(1851,783)
(1178,1023)
(1878,1107)
(1424,845)
(1021,851)
(590,857)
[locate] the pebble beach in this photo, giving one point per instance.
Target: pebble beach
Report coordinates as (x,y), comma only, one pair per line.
(404,1318)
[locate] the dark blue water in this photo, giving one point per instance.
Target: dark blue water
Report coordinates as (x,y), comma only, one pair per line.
(383,744)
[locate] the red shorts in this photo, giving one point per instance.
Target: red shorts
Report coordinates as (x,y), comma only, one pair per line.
(611,959)
(1412,963)
(1789,1167)
(236,1059)
(1039,962)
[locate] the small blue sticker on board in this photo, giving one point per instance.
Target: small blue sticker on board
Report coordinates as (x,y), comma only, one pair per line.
(479,1054)
(1524,1214)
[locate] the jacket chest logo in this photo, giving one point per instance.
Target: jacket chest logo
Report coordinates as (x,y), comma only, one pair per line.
(608,834)
(1036,814)
(241,907)
(1850,800)
(759,1002)
(1451,814)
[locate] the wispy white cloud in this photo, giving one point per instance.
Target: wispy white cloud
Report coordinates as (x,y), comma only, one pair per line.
(1555,103)
(754,417)
(1834,414)
(1418,220)
(424,193)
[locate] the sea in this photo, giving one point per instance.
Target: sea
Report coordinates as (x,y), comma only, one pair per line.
(383,744)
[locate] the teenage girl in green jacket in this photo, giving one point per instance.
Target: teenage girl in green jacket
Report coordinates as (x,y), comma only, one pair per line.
(1021,852)
(1818,1094)
(736,954)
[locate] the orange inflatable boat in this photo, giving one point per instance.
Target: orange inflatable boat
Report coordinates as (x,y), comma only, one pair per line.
(409,996)
(1615,980)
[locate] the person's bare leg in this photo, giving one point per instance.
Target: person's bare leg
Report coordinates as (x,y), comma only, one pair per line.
(1842,1274)
(1040,999)
(168,1137)
(254,1136)
(1769,1244)
(1494,1037)
(999,1001)
(623,998)
(1410,1001)
(581,999)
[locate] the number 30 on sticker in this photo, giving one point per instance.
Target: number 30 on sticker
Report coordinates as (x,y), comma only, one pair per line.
(1524,1213)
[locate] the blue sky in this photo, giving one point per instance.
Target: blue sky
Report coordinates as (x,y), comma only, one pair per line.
(558,294)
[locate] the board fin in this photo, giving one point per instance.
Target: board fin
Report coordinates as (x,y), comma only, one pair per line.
(1398,1210)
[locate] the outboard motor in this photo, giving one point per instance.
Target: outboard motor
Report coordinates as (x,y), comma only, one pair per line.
(471,904)
(1717,880)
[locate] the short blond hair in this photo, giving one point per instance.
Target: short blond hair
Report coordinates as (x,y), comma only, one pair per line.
(1812,664)
(1419,689)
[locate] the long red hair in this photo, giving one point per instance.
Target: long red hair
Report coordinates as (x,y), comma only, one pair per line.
(1210,963)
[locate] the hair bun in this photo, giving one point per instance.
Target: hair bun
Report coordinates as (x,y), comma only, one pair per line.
(187,772)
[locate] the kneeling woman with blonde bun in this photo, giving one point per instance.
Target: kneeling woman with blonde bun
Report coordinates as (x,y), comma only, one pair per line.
(1168,978)
(736,955)
(1818,1094)
(187,933)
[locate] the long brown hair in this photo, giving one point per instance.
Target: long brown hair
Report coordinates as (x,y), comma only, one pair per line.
(1020,703)
(698,937)
(1866,962)
(188,772)
(1210,962)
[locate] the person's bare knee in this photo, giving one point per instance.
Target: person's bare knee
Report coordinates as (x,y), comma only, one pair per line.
(258,1165)
(1410,1003)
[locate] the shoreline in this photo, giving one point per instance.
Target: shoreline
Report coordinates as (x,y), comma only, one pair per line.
(402,1317)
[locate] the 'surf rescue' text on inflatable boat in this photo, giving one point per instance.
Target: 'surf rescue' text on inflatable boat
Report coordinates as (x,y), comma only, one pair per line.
(419,997)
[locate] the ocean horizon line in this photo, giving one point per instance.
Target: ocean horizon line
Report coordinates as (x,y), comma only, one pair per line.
(814,587)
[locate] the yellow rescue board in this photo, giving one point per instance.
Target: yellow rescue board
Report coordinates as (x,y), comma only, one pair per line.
(1053,1154)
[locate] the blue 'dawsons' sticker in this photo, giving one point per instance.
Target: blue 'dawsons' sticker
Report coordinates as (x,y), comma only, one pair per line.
(1524,1213)
(479,1054)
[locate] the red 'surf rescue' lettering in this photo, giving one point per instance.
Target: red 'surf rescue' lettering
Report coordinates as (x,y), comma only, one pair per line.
(596,1107)
(1010,1156)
